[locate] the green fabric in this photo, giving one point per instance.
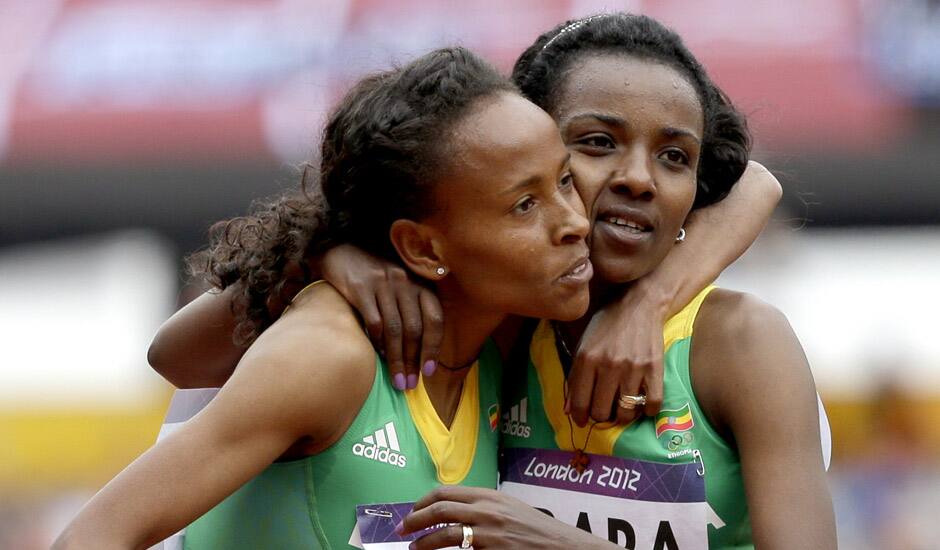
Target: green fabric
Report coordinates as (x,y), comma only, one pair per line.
(311,503)
(724,485)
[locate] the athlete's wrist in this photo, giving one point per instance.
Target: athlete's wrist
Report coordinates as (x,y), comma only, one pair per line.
(653,297)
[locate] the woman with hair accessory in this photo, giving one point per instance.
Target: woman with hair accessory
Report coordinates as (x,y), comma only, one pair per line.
(626,325)
(733,460)
(280,459)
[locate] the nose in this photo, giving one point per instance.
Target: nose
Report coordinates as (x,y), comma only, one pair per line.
(633,176)
(573,225)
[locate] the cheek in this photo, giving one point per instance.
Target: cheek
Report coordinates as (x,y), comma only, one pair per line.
(677,202)
(509,271)
(590,174)
(492,257)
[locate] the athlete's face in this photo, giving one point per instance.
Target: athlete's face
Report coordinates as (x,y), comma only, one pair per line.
(634,129)
(512,226)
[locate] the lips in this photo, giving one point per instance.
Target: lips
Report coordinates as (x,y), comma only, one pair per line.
(579,273)
(625,225)
(626,217)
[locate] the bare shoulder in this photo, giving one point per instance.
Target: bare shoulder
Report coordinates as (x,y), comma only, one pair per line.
(744,352)
(731,322)
(314,358)
(739,317)
(753,381)
(319,326)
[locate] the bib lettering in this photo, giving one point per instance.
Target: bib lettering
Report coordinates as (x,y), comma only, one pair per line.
(633,503)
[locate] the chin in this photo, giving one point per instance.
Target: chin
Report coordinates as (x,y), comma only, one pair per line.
(616,273)
(576,309)
(569,308)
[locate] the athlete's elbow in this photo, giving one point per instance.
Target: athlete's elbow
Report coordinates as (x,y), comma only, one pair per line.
(156,357)
(767,184)
(161,361)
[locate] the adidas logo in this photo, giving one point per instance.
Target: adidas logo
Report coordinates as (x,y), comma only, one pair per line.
(514,421)
(381,446)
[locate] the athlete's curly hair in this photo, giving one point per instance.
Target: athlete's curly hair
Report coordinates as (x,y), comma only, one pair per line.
(383,149)
(541,71)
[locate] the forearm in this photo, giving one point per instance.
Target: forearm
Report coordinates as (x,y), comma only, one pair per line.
(716,236)
(194,347)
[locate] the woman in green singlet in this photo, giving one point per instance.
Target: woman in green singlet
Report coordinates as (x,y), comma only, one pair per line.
(439,165)
(733,459)
(716,234)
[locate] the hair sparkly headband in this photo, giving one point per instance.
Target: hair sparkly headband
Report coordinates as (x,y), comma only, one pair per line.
(572,26)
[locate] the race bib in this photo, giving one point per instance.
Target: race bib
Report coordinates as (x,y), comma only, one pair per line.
(375,527)
(633,503)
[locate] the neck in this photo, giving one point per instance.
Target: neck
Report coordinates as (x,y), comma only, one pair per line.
(465,330)
(602,293)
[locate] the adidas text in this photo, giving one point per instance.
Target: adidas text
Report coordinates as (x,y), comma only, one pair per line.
(514,421)
(382,446)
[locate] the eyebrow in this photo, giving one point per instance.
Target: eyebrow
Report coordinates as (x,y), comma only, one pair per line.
(610,120)
(606,119)
(532,180)
(680,132)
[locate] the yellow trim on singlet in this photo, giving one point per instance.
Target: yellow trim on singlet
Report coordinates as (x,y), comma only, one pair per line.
(552,380)
(452,450)
(680,325)
(602,438)
(305,289)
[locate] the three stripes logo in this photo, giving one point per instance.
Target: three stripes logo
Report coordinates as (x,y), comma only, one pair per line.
(382,446)
(514,421)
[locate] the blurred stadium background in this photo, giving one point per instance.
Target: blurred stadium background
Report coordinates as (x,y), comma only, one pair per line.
(126,127)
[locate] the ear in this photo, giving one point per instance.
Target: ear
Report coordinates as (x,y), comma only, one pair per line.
(419,246)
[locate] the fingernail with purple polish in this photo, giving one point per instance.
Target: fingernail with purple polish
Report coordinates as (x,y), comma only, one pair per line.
(412,381)
(412,546)
(399,381)
(429,367)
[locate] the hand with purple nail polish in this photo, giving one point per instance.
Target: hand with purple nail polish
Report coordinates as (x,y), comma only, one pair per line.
(403,319)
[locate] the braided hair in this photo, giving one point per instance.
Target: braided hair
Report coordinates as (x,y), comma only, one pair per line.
(384,148)
(541,71)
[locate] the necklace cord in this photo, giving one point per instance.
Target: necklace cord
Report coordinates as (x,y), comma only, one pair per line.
(564,348)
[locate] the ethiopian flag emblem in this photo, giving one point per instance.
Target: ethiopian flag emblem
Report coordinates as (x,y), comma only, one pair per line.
(493,413)
(678,420)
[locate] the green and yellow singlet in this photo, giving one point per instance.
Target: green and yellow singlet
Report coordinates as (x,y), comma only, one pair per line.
(396,450)
(665,481)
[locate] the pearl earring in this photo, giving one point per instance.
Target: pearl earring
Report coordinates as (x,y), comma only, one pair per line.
(681,236)
(441,271)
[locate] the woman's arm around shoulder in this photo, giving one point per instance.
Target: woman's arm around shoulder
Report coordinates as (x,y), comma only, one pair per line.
(194,348)
(285,390)
(621,351)
(754,383)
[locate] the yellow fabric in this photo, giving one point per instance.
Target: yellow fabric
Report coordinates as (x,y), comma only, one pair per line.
(552,380)
(452,450)
(544,355)
(680,325)
(306,288)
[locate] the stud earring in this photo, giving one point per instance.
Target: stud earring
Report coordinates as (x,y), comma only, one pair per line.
(681,236)
(441,271)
